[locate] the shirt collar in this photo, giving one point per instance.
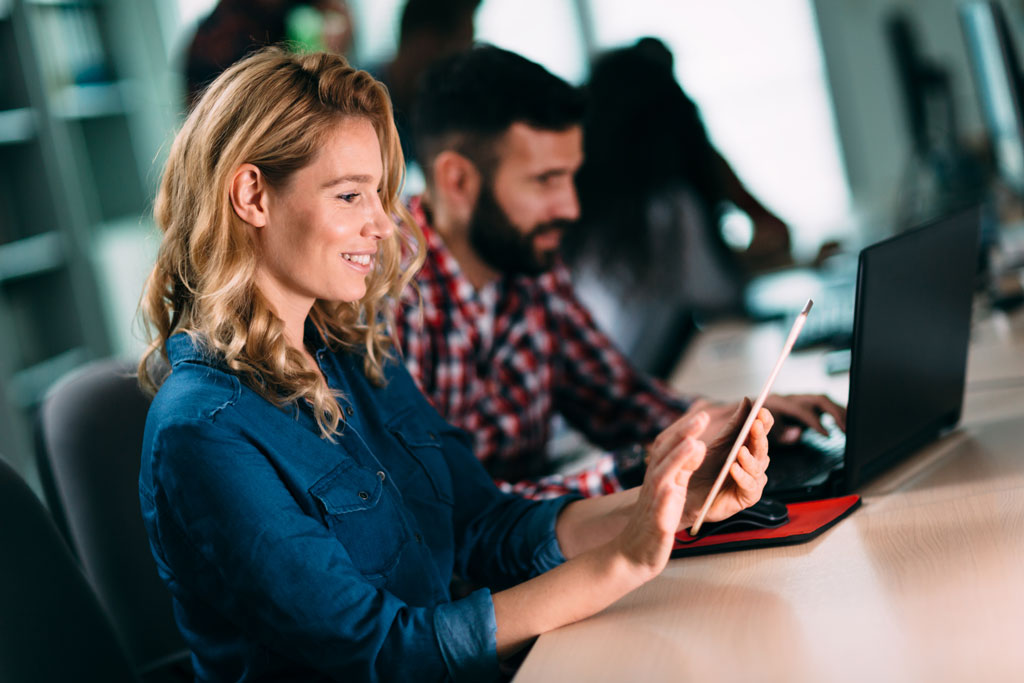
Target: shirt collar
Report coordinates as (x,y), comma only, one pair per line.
(183,347)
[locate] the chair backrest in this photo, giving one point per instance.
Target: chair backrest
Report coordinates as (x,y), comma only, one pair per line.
(52,627)
(92,422)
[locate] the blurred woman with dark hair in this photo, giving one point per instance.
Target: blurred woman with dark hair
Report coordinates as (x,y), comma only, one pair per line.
(647,251)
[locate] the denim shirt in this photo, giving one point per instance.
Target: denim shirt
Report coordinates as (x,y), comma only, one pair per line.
(290,557)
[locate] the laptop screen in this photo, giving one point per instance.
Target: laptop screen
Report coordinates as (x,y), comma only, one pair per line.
(911,331)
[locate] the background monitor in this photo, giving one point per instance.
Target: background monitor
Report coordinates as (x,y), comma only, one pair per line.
(997,79)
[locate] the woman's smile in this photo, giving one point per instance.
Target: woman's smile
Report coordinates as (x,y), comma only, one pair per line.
(362,262)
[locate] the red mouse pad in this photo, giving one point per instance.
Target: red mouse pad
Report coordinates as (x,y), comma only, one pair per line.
(806,521)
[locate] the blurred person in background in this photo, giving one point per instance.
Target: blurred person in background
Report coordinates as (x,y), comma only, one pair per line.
(429,30)
(648,252)
(237,27)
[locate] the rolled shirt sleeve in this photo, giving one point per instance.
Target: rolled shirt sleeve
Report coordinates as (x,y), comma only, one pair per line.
(465,630)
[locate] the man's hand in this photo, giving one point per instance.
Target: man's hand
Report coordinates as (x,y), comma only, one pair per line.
(770,245)
(794,413)
(797,412)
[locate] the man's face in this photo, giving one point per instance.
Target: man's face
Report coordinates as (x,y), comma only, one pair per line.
(523,210)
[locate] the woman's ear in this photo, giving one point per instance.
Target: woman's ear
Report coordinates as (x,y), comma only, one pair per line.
(249,195)
(456,185)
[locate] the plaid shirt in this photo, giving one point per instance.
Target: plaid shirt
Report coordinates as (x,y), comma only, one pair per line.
(502,361)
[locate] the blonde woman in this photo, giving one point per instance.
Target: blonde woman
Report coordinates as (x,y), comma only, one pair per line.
(306,506)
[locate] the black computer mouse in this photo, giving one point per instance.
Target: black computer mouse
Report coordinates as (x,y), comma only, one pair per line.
(764,514)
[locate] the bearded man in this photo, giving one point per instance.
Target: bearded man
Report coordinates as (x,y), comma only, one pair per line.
(494,334)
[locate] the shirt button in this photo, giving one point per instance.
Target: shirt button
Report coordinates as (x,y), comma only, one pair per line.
(419,539)
(432,435)
(349,411)
(364,495)
(380,475)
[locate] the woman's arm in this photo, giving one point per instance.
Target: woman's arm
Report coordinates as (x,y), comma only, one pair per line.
(617,543)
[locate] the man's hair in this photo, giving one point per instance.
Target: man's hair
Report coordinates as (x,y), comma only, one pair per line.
(273,109)
(467,101)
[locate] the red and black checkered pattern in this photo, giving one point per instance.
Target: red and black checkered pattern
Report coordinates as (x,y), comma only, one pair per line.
(502,361)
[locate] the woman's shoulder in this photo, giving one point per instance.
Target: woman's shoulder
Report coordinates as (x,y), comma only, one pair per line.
(194,392)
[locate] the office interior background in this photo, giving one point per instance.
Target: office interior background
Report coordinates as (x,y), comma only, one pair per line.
(802,96)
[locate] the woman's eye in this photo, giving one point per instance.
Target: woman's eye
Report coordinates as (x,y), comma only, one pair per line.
(349,197)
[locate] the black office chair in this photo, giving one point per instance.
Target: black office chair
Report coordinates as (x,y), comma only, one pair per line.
(91,429)
(52,627)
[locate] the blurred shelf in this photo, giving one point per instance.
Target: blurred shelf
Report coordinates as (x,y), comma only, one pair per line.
(76,102)
(61,3)
(17,125)
(31,256)
(28,386)
(80,89)
(130,223)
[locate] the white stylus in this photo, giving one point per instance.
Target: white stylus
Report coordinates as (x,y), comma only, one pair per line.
(794,332)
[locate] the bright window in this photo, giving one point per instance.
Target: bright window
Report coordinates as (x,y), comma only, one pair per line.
(756,72)
(753,67)
(546,31)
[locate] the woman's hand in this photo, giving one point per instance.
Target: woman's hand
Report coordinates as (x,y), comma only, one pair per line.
(648,537)
(747,474)
(618,542)
(796,412)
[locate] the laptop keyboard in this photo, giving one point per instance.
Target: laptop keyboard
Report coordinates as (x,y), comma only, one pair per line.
(833,445)
(808,462)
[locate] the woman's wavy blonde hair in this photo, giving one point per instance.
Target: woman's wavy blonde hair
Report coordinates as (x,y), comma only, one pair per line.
(273,110)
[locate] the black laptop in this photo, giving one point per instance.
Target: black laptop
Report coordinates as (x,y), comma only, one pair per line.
(911,328)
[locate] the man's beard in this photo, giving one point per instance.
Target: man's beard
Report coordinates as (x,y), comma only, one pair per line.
(504,247)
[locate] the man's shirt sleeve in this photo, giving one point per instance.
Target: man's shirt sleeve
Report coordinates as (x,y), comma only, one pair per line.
(599,392)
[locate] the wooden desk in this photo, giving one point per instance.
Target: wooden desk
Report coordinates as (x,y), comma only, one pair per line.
(924,583)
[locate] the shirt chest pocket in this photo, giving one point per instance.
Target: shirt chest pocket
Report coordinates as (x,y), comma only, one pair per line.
(364,518)
(426,472)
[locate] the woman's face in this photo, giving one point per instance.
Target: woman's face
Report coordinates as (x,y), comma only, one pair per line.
(325,225)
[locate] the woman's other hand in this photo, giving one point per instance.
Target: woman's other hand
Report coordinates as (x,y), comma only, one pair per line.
(747,478)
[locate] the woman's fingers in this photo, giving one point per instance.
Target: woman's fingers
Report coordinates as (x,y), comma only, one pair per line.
(751,463)
(757,440)
(690,425)
(691,456)
(661,502)
(677,464)
(749,474)
(748,486)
